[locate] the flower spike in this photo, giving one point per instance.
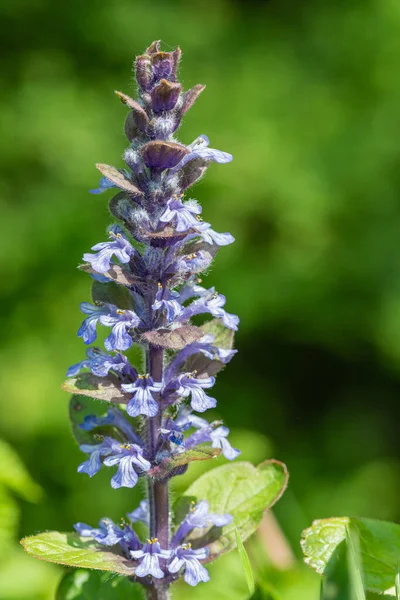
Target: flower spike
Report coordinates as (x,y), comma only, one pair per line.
(146,289)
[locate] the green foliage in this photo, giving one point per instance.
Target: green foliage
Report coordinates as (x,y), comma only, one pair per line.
(92,585)
(375,562)
(107,388)
(9,519)
(245,563)
(15,477)
(223,337)
(81,407)
(305,95)
(112,294)
(354,565)
(73,551)
(397,584)
(240,489)
(263,592)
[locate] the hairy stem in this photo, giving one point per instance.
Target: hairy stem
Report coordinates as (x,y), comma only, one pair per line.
(158,492)
(158,593)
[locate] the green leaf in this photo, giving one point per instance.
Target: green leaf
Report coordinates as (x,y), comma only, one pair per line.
(92,585)
(73,551)
(379,549)
(240,489)
(102,388)
(354,565)
(336,583)
(81,407)
(14,476)
(223,337)
(248,572)
(112,294)
(168,465)
(264,592)
(397,583)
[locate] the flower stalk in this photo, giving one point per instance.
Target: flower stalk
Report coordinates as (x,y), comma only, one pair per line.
(146,290)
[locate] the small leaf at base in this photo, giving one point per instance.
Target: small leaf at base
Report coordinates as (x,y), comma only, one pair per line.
(91,585)
(102,388)
(248,572)
(73,551)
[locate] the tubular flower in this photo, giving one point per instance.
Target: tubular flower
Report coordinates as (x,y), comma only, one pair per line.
(119,246)
(212,432)
(142,401)
(109,315)
(182,215)
(211,302)
(101,363)
(189,561)
(141,513)
(149,559)
(199,517)
(190,386)
(128,457)
(212,237)
(199,149)
(167,301)
(109,534)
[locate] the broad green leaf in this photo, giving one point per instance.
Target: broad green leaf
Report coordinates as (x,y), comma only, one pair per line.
(248,572)
(14,476)
(102,388)
(73,551)
(92,585)
(379,549)
(112,293)
(397,583)
(81,407)
(240,489)
(223,337)
(167,466)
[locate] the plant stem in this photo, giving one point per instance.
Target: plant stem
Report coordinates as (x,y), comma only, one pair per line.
(158,593)
(158,491)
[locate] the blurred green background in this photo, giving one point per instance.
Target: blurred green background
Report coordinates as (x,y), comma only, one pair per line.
(306,96)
